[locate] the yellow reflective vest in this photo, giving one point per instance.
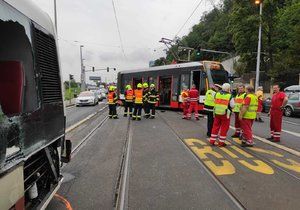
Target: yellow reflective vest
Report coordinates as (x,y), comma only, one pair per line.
(221,103)
(238,102)
(252,108)
(209,98)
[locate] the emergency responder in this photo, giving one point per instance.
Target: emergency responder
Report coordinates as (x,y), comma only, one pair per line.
(238,101)
(193,99)
(224,103)
(128,101)
(247,115)
(112,102)
(278,102)
(145,100)
(138,102)
(153,97)
(260,96)
(209,105)
(185,101)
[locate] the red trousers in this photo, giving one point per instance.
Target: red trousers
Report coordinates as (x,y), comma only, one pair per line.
(275,124)
(185,108)
(193,108)
(237,123)
(246,126)
(221,124)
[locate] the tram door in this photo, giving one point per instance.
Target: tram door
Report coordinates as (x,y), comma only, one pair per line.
(199,79)
(165,90)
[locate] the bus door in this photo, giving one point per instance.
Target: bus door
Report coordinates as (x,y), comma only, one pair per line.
(136,81)
(199,79)
(165,90)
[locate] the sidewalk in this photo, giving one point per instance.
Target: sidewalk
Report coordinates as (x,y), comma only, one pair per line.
(69,102)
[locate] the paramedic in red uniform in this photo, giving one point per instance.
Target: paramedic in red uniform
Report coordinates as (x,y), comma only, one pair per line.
(279,100)
(193,99)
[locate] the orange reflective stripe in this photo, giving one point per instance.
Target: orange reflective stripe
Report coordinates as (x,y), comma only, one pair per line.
(111,97)
(138,96)
(221,101)
(238,100)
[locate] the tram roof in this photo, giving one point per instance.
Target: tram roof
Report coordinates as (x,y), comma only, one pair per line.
(165,67)
(32,11)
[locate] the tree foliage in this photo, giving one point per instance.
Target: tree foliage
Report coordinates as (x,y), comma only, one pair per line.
(233,27)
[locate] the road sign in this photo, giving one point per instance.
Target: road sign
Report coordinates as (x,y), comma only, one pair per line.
(94,78)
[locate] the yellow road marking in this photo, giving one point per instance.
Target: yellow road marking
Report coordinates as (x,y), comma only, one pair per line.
(247,155)
(202,152)
(260,166)
(226,169)
(191,142)
(228,152)
(270,152)
(294,166)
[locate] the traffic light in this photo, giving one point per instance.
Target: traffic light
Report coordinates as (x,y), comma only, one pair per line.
(93,69)
(198,53)
(107,69)
(71,77)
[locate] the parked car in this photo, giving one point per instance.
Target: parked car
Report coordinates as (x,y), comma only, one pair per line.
(292,89)
(87,98)
(292,107)
(101,94)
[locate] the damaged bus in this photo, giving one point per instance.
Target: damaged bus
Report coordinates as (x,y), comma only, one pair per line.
(32,119)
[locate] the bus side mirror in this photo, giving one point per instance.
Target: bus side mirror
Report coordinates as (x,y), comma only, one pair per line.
(66,157)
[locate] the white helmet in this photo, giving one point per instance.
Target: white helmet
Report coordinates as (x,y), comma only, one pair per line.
(226,87)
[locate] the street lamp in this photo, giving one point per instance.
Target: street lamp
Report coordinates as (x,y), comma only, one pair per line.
(258,2)
(55,16)
(82,70)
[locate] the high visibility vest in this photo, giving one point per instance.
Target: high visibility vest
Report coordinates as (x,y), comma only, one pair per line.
(111,99)
(138,94)
(238,102)
(221,103)
(184,96)
(129,96)
(209,98)
(252,108)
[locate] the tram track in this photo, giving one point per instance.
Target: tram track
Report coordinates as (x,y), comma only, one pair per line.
(232,197)
(263,158)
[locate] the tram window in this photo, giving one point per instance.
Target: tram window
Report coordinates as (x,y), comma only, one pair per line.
(175,87)
(16,46)
(126,81)
(184,81)
(196,79)
(202,86)
(152,80)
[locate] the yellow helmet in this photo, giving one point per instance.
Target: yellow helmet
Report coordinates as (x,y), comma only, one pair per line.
(128,87)
(145,85)
(111,88)
(139,85)
(152,85)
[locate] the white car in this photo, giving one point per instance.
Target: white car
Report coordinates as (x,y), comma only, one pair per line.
(87,98)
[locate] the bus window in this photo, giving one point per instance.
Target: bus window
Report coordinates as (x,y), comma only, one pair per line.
(175,90)
(184,81)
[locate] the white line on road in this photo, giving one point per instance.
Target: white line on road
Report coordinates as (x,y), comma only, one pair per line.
(292,133)
(287,149)
(72,127)
(289,122)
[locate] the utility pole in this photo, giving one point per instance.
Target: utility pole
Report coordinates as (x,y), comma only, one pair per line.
(259,44)
(55,16)
(83,87)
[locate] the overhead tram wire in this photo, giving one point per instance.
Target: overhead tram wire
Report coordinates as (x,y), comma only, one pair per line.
(188,18)
(118,27)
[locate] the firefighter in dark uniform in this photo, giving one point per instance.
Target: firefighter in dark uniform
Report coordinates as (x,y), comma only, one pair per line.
(153,98)
(138,102)
(128,101)
(145,100)
(112,102)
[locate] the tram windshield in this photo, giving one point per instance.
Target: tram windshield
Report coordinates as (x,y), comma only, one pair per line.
(219,76)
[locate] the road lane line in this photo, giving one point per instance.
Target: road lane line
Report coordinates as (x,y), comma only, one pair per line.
(292,133)
(289,122)
(72,127)
(287,149)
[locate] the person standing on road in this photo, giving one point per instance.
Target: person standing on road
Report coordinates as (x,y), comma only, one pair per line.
(260,96)
(247,115)
(112,102)
(185,101)
(209,105)
(278,102)
(222,110)
(128,101)
(238,101)
(194,100)
(138,102)
(145,100)
(153,98)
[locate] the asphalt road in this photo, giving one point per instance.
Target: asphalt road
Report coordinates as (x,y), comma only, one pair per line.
(75,114)
(170,166)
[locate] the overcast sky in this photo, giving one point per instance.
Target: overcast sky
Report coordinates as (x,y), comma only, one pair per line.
(142,24)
